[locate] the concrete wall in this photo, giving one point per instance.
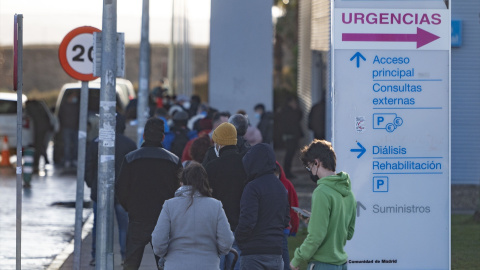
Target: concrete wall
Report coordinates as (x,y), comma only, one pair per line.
(241,55)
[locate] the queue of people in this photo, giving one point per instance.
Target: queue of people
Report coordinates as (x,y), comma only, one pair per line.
(195,190)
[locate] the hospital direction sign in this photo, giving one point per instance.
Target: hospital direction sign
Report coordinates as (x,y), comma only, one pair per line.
(391,107)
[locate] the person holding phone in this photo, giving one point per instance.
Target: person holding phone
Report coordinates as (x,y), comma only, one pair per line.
(332,221)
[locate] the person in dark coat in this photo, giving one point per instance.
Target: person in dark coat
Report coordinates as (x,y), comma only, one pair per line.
(227,177)
(68,119)
(123,146)
(291,117)
(265,125)
(316,120)
(217,119)
(264,212)
(43,124)
(148,177)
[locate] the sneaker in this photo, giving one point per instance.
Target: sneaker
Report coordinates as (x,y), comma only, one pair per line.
(92,262)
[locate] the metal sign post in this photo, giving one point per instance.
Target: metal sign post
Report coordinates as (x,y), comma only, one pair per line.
(142,104)
(82,147)
(106,146)
(76,57)
(18,80)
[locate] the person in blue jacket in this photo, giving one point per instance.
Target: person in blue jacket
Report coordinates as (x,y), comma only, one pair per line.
(264,212)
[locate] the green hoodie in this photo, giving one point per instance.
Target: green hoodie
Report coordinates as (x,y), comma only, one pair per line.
(332,222)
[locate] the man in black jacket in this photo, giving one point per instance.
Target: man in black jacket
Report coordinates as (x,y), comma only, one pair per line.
(148,177)
(264,212)
(291,130)
(227,177)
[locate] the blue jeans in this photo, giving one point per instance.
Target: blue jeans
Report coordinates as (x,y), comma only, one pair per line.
(70,144)
(285,255)
(226,261)
(122,221)
(261,261)
(326,266)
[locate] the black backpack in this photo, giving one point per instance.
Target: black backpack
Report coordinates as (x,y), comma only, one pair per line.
(179,142)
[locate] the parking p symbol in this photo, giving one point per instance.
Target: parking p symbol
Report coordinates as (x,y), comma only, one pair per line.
(380,119)
(380,184)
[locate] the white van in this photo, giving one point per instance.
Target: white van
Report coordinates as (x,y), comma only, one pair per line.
(8,121)
(124,93)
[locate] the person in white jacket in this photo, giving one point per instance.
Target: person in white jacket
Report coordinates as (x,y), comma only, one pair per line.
(192,230)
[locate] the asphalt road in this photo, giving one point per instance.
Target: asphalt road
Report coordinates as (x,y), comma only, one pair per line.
(46,229)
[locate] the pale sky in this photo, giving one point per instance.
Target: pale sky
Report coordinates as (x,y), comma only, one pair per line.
(48,21)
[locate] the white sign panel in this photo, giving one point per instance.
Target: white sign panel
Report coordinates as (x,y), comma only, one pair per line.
(391,134)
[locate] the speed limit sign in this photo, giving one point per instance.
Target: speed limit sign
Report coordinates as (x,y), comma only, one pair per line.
(76,53)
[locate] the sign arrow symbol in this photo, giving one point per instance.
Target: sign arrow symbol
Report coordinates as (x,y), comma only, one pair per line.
(359,204)
(422,37)
(358,55)
(362,150)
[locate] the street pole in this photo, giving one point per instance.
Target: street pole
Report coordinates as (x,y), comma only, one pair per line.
(18,40)
(82,145)
(171,54)
(106,145)
(144,73)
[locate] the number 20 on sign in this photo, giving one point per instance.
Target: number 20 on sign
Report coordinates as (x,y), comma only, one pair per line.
(76,53)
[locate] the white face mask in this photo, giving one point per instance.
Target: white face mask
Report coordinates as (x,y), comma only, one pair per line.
(217,151)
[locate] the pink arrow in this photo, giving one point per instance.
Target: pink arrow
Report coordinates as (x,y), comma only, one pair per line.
(422,37)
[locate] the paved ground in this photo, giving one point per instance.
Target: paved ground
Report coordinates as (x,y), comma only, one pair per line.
(45,228)
(48,229)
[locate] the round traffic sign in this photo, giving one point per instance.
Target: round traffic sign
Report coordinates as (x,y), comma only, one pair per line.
(76,53)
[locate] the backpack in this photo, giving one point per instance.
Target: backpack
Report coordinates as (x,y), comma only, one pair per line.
(179,142)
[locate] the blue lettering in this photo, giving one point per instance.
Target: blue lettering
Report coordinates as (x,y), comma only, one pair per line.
(380,119)
(380,182)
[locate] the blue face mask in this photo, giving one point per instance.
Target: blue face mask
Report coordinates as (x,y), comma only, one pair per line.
(257,115)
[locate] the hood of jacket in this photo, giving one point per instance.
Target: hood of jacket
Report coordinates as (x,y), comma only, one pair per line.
(258,161)
(186,191)
(339,182)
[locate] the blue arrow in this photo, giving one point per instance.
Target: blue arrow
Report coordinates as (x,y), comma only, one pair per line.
(358,55)
(362,150)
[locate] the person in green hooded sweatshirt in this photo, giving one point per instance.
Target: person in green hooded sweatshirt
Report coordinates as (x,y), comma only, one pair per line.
(332,221)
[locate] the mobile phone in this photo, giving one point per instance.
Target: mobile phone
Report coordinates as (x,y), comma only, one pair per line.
(301,212)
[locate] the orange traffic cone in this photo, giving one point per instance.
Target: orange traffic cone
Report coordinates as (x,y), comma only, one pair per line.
(5,153)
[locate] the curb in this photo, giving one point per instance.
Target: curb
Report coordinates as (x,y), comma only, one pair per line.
(63,256)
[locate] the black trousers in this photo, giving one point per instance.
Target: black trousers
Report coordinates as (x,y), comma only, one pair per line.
(138,236)
(291,146)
